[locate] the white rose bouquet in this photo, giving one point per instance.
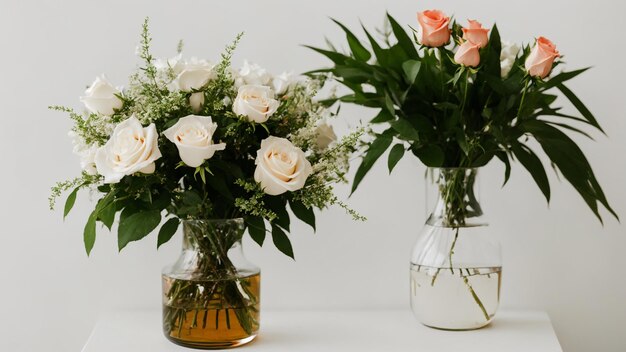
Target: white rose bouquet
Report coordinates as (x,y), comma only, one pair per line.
(191,140)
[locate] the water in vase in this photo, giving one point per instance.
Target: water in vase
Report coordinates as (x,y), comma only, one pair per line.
(455,298)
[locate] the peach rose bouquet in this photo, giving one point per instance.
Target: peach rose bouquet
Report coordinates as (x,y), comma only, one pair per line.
(455,96)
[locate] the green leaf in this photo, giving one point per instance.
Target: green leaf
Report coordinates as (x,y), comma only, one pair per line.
(396,153)
(405,130)
(281,241)
(561,77)
(375,150)
(256,229)
(69,203)
(358,50)
(492,61)
(534,166)
(411,69)
(107,215)
(335,57)
(89,234)
(307,215)
(504,157)
(579,106)
(383,116)
(136,226)
(278,205)
(403,39)
(167,231)
(430,155)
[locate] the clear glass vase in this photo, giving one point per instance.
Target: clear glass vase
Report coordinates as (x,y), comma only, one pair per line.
(456,265)
(211,295)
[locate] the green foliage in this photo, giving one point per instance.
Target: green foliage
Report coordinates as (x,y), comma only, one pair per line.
(455,116)
(223,187)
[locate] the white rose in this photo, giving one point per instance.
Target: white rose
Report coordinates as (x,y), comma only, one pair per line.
(175,64)
(282,82)
(252,74)
(193,75)
(281,166)
(325,135)
(255,102)
(101,97)
(131,148)
(508,54)
(193,136)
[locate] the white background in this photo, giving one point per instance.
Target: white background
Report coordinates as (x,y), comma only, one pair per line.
(557,258)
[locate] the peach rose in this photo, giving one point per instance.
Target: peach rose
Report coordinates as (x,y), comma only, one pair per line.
(434,28)
(539,62)
(467,54)
(476,34)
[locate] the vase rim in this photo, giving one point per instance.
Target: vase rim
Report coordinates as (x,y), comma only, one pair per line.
(213,220)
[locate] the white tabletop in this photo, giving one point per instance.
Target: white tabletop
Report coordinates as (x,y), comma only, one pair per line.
(345,331)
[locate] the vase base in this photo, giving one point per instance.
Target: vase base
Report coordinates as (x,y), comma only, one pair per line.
(217,345)
(469,328)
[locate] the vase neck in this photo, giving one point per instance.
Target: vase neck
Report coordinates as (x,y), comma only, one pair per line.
(213,240)
(456,194)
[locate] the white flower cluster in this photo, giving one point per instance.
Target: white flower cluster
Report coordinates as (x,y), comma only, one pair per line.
(508,54)
(133,142)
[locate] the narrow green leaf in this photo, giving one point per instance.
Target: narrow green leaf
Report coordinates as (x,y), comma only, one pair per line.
(137,226)
(493,49)
(167,231)
(335,57)
(403,38)
(376,149)
(256,229)
(89,234)
(69,203)
(579,106)
(561,77)
(395,154)
(504,157)
(411,69)
(531,162)
(307,215)
(281,241)
(358,50)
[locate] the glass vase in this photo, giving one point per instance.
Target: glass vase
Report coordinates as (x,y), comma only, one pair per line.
(456,265)
(211,294)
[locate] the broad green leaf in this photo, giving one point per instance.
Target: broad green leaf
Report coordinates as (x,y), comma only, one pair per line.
(430,155)
(405,130)
(217,183)
(69,203)
(383,116)
(307,215)
(534,166)
(411,69)
(89,234)
(137,226)
(358,50)
(375,150)
(395,154)
(167,231)
(579,106)
(256,229)
(278,205)
(281,241)
(107,215)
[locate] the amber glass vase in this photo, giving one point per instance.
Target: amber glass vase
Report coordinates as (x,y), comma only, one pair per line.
(211,295)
